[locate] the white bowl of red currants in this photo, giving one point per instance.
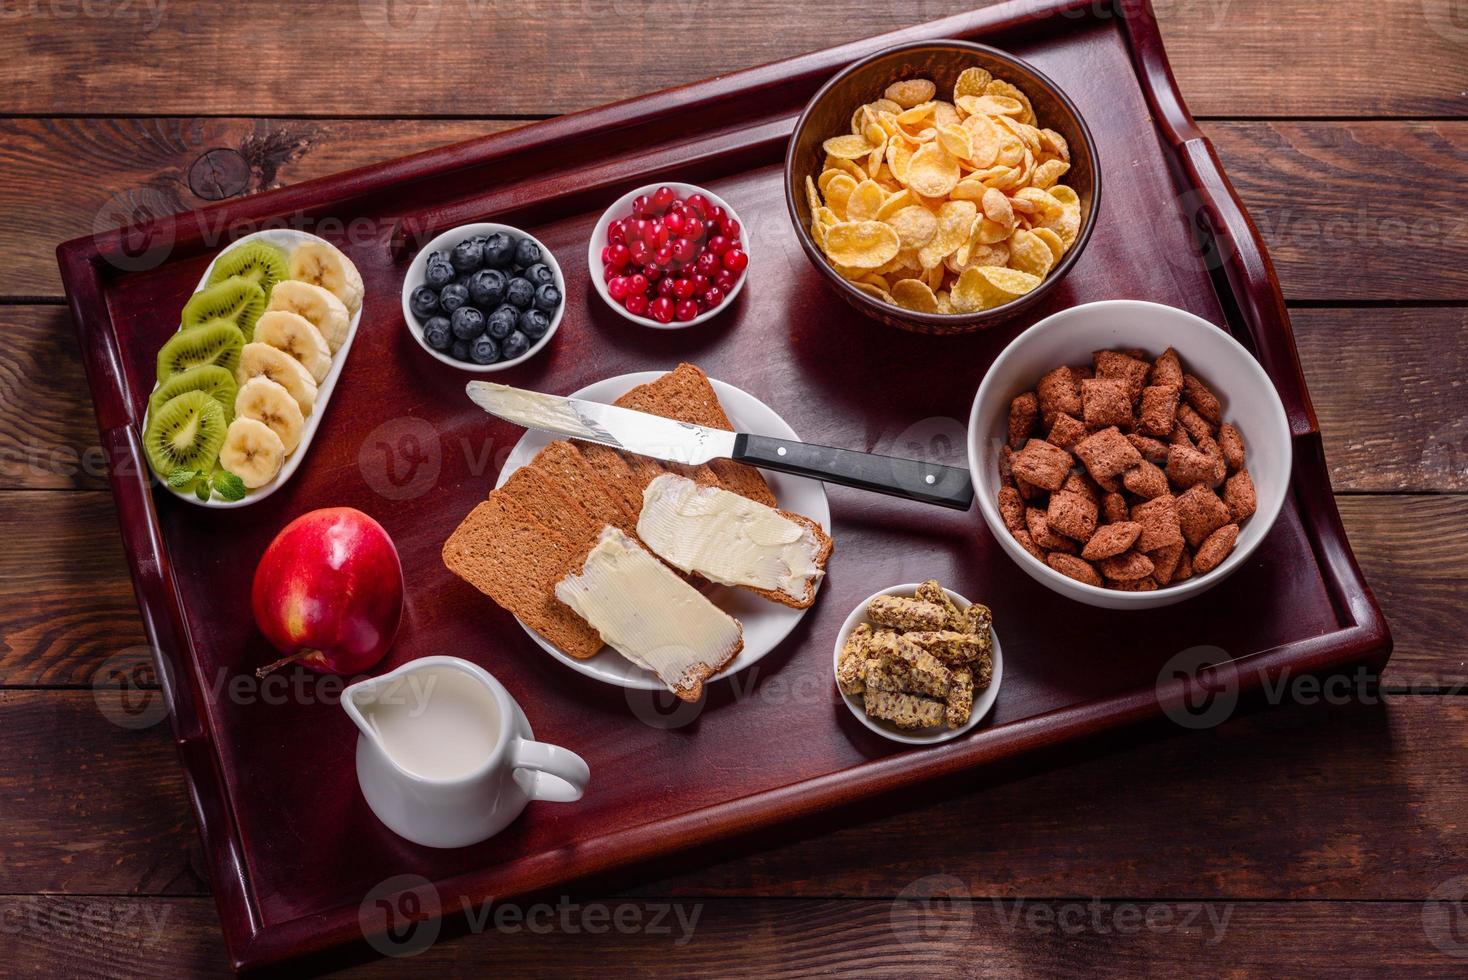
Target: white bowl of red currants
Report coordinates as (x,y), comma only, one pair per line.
(669,255)
(483,297)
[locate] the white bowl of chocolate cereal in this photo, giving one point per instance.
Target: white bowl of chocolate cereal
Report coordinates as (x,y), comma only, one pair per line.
(918,663)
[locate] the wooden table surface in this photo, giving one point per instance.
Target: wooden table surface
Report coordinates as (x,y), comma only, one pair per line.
(1325,835)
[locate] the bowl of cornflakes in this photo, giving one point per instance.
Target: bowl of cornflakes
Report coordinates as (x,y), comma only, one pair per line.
(942,186)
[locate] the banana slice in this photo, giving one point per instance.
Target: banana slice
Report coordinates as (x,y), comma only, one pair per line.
(326,313)
(325,265)
(294,334)
(252,452)
(266,401)
(257,360)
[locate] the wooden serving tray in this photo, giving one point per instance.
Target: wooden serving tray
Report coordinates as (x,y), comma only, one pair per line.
(291,846)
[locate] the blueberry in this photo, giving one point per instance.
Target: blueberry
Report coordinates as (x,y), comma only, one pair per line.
(499,249)
(436,333)
(520,293)
(534,324)
(527,253)
(467,323)
(452,296)
(515,345)
(547,297)
(423,302)
(487,288)
(460,350)
(484,350)
(539,274)
(502,321)
(468,255)
(440,273)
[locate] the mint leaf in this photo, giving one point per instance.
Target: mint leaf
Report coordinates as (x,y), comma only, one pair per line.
(229,486)
(180,477)
(201,490)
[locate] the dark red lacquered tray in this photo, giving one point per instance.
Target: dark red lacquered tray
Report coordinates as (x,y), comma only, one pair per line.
(291,845)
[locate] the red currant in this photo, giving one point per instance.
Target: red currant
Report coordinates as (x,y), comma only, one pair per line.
(664,255)
(736,260)
(637,283)
(707,263)
(698,204)
(725,279)
(716,214)
(693,228)
(661,309)
(652,271)
(617,288)
(683,288)
(718,244)
(640,253)
(667,286)
(712,297)
(701,283)
(642,206)
(636,304)
(687,310)
(729,228)
(616,233)
(608,273)
(663,198)
(673,221)
(685,250)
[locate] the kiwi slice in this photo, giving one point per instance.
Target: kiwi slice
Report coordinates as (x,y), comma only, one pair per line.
(186,432)
(211,379)
(261,263)
(235,298)
(216,342)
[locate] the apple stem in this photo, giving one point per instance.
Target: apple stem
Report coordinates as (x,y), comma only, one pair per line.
(283,661)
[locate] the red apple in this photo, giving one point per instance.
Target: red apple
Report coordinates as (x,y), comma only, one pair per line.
(328,592)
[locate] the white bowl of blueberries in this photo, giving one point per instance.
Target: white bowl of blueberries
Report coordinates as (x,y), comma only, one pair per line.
(483,297)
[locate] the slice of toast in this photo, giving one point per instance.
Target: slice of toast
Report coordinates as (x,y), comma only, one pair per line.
(820,558)
(504,552)
(552,506)
(685,394)
(618,474)
(562,464)
(649,615)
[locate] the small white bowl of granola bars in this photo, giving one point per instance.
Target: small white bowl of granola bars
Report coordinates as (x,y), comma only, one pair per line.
(918,663)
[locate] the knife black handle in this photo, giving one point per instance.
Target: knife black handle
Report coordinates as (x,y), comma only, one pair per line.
(929,483)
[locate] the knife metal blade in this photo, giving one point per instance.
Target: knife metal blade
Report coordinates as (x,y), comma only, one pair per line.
(619,428)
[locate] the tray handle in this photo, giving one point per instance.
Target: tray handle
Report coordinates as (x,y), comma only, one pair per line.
(152,577)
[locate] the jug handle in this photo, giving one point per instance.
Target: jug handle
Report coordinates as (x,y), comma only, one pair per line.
(565,773)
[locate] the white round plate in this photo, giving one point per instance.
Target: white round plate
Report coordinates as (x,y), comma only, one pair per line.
(286,238)
(765,623)
(417,275)
(621,208)
(929,736)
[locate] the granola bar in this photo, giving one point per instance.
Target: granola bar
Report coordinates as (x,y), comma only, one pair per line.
(950,646)
(853,660)
(906,711)
(931,591)
(901,612)
(960,698)
(903,666)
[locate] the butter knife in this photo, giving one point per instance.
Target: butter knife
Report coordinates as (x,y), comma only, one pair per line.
(683,442)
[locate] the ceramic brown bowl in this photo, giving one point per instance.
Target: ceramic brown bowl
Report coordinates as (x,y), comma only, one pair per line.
(829,114)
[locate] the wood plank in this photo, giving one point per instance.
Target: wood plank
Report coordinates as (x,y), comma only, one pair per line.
(66,603)
(61,178)
(788,939)
(1388,393)
(429,57)
(1320,195)
(105,812)
(1308,186)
